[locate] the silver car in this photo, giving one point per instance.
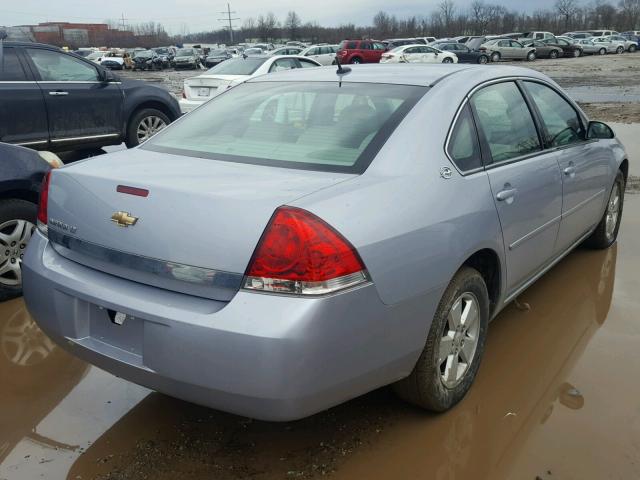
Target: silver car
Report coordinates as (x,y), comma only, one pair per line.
(302,238)
(507,49)
(612,46)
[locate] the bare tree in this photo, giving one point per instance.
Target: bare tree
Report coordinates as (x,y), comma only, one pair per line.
(447,10)
(566,8)
(292,24)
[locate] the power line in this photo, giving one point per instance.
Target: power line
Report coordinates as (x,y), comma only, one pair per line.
(228,18)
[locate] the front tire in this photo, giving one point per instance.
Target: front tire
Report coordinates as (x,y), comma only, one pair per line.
(451,357)
(447,60)
(355,61)
(495,57)
(17,224)
(606,232)
(602,51)
(483,59)
(553,54)
(143,124)
(531,56)
(577,53)
(619,50)
(632,48)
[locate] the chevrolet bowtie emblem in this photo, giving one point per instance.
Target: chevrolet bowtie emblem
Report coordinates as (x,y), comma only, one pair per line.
(123,219)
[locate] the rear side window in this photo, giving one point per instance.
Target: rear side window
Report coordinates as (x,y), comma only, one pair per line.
(562,124)
(10,68)
(463,147)
(307,125)
(505,121)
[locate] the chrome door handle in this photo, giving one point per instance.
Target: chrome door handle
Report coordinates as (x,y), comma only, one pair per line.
(506,195)
(58,93)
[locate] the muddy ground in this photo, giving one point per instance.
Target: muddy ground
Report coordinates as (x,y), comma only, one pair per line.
(555,398)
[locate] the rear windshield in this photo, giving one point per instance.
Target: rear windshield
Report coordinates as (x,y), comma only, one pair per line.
(312,125)
(238,66)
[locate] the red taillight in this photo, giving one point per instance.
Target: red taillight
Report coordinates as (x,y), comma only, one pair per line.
(300,253)
(44,200)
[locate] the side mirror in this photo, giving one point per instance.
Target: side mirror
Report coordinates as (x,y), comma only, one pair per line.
(597,130)
(108,76)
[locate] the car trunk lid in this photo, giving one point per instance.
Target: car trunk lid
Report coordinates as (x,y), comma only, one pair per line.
(194,231)
(203,87)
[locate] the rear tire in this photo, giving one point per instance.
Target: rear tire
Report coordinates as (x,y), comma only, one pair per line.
(441,377)
(136,124)
(447,60)
(531,56)
(13,211)
(577,53)
(606,232)
(632,48)
(355,61)
(619,50)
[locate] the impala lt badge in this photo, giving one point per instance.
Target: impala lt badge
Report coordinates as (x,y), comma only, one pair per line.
(123,219)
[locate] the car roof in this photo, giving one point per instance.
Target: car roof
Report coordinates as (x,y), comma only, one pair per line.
(399,74)
(30,45)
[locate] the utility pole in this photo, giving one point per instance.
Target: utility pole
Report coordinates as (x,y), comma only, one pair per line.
(122,22)
(228,18)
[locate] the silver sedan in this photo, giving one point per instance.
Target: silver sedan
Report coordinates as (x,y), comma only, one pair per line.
(302,238)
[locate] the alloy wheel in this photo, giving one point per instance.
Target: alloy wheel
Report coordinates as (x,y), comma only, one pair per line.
(482,59)
(14,237)
(602,51)
(613,212)
(577,53)
(447,60)
(553,54)
(459,339)
(149,126)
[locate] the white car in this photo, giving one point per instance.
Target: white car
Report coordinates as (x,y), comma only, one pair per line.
(96,57)
(323,54)
(234,71)
(418,54)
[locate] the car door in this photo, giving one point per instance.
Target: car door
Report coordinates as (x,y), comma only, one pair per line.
(326,56)
(313,53)
(80,106)
(430,55)
(584,164)
(23,115)
(464,54)
(517,49)
(412,55)
(524,180)
(504,47)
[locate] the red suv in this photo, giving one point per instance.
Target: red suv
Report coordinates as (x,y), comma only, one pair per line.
(361,51)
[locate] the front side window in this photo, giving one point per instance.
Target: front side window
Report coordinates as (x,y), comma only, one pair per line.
(463,146)
(308,125)
(58,67)
(505,121)
(306,63)
(10,67)
(379,46)
(562,123)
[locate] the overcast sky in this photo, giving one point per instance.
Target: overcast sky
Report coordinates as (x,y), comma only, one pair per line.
(199,15)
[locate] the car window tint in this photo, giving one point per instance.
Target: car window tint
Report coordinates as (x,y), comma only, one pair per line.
(463,147)
(378,46)
(10,68)
(412,50)
(313,125)
(58,67)
(562,123)
(365,46)
(505,121)
(352,45)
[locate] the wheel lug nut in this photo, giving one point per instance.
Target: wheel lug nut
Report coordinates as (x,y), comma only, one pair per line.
(22,246)
(13,244)
(7,252)
(13,260)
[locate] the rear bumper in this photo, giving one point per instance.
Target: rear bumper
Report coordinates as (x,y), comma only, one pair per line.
(188,105)
(264,356)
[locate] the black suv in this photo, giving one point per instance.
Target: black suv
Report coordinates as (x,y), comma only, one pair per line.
(54,100)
